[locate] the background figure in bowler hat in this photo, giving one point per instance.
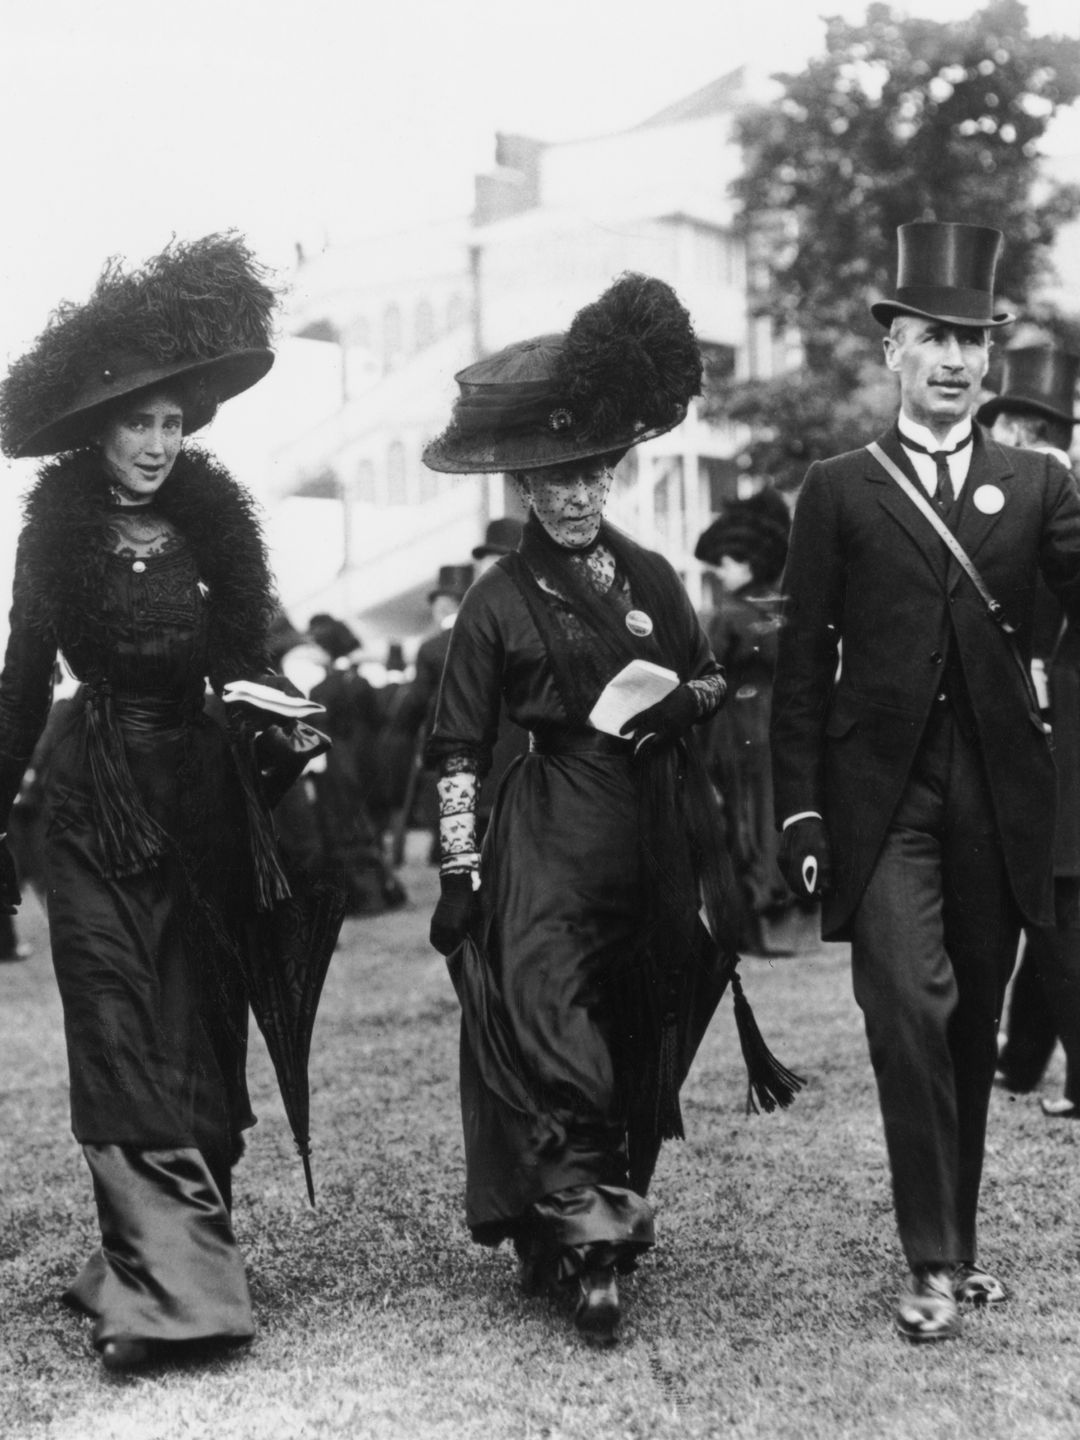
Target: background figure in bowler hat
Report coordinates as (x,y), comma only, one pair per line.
(1034,409)
(747,543)
(502,536)
(416,712)
(914,789)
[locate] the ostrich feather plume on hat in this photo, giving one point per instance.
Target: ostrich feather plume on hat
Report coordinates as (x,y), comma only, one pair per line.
(200,314)
(626,370)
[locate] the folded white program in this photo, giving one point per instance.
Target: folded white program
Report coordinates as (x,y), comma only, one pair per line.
(636,687)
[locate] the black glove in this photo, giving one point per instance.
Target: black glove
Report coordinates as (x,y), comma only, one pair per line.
(663,723)
(457,910)
(805,859)
(10,895)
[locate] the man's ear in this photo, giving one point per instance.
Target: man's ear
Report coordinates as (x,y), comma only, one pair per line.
(892,353)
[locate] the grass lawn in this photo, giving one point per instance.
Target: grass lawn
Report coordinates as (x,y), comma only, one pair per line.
(765,1310)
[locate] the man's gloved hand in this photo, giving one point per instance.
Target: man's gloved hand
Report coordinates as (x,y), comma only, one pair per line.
(805,859)
(9,885)
(458,908)
(663,723)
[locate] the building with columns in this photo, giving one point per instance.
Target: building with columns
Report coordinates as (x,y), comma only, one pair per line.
(552,226)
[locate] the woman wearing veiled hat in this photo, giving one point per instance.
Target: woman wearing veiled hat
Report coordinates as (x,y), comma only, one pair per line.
(747,543)
(142,561)
(585,976)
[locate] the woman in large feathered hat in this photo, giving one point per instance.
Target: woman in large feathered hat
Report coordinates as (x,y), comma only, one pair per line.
(585,976)
(142,561)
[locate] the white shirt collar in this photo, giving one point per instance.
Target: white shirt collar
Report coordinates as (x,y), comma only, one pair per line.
(922,436)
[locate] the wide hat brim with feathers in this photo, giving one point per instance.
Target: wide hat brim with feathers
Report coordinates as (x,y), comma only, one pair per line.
(624,372)
(200,313)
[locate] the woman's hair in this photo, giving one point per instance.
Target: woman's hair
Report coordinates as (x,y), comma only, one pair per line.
(198,403)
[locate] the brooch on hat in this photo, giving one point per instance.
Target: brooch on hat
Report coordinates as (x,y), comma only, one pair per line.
(560,419)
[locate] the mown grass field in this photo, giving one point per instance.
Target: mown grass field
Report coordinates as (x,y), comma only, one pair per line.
(764,1312)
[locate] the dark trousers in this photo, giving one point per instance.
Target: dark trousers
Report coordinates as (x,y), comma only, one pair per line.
(934,942)
(1045,1003)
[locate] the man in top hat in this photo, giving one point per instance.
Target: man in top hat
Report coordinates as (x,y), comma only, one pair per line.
(913,787)
(1034,409)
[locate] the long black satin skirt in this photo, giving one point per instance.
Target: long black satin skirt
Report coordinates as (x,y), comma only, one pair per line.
(168,1269)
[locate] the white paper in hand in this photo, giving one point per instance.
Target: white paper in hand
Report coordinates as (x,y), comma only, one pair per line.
(636,687)
(265,697)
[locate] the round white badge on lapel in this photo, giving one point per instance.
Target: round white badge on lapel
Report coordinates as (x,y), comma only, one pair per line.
(638,623)
(988,499)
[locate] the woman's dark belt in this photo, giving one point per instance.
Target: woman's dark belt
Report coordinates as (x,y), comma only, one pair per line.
(578,742)
(149,712)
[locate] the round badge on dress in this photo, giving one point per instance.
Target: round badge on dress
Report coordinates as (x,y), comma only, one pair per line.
(989,499)
(139,566)
(638,623)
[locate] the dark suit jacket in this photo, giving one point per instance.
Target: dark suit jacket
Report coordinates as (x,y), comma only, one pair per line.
(869,581)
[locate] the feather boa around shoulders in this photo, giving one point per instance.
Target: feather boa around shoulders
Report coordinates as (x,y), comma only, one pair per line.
(64,548)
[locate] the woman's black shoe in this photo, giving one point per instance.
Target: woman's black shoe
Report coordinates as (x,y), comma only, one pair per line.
(125,1354)
(597,1312)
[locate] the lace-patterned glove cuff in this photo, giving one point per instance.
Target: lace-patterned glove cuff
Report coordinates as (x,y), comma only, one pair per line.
(457,821)
(710,693)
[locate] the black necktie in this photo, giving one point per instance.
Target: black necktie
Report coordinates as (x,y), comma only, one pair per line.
(945,494)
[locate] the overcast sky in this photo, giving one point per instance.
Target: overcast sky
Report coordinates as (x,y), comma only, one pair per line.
(124,121)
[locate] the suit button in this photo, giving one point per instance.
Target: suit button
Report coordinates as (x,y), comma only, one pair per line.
(936,658)
(942,698)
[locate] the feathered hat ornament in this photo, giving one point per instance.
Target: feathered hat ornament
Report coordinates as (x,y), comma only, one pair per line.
(199,314)
(625,371)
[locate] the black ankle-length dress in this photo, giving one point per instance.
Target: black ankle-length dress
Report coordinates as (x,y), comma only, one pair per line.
(552,1045)
(144,949)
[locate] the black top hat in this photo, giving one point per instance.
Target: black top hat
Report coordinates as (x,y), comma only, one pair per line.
(395,656)
(625,371)
(945,272)
(198,315)
(501,537)
(333,636)
(453,580)
(1035,380)
(755,530)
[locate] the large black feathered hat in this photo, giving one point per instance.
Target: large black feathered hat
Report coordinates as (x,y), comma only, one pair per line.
(945,272)
(198,314)
(1035,380)
(625,371)
(754,530)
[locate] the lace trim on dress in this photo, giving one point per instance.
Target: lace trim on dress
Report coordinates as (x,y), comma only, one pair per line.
(457,820)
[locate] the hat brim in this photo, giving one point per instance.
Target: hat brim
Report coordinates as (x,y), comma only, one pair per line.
(481,552)
(886,311)
(228,375)
(485,453)
(988,412)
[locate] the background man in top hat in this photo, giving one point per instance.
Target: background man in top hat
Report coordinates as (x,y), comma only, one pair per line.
(1034,409)
(914,786)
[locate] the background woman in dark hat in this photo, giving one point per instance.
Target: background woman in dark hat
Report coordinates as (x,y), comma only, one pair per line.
(592,979)
(747,543)
(141,559)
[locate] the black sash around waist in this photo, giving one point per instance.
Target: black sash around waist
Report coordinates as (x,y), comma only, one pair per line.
(578,742)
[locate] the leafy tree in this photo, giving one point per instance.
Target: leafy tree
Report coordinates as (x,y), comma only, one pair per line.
(901,119)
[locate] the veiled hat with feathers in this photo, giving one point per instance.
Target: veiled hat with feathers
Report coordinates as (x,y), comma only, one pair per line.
(198,314)
(625,371)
